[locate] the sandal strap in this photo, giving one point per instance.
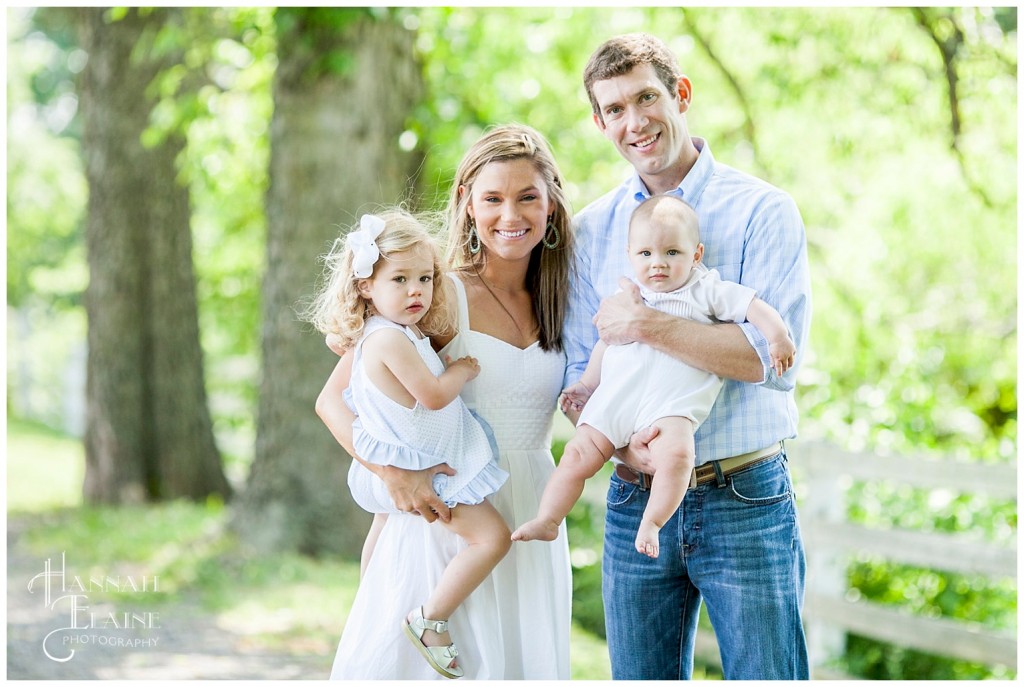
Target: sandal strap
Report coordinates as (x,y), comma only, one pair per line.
(438,626)
(422,623)
(449,652)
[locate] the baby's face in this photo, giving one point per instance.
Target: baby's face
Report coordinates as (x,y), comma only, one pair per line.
(662,254)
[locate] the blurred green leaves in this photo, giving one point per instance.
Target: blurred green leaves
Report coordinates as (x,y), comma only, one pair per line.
(910,210)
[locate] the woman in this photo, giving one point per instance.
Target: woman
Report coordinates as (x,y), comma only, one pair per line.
(509,249)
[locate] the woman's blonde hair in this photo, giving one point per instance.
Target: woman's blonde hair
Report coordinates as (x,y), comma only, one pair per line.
(547,277)
(338,308)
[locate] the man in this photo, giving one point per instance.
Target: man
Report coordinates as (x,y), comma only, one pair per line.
(735,541)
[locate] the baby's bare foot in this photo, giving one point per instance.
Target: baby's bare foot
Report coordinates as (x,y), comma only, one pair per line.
(647,539)
(545,530)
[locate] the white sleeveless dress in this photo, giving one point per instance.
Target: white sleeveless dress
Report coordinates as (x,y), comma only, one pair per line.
(387,433)
(516,624)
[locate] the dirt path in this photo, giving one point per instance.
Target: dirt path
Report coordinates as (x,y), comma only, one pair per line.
(185,642)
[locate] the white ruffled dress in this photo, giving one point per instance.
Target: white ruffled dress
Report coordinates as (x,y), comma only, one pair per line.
(515,625)
(388,433)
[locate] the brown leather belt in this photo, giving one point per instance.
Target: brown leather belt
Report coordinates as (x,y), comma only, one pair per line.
(706,473)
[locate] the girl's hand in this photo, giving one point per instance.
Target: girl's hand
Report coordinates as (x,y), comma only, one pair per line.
(467,363)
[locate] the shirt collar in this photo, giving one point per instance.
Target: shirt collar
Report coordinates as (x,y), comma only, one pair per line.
(693,183)
(651,297)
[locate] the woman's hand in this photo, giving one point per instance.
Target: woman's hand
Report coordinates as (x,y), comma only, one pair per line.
(413,491)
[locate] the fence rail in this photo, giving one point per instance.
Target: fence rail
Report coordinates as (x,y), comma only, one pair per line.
(826,473)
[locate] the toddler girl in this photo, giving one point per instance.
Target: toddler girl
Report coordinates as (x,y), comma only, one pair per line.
(384,296)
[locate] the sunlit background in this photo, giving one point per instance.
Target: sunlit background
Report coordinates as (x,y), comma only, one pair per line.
(895,130)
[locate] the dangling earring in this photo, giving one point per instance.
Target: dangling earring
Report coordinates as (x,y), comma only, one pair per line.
(551,229)
(474,240)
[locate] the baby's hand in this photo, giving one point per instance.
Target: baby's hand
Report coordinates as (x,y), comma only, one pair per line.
(574,397)
(782,354)
(467,363)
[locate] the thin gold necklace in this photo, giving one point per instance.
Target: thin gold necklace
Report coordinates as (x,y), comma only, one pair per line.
(498,301)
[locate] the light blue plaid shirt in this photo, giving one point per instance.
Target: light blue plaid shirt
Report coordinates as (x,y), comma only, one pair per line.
(752,234)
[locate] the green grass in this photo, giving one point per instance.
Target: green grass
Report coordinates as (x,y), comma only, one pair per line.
(282,602)
(45,469)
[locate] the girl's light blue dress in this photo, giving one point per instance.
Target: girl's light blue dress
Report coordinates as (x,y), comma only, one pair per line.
(387,433)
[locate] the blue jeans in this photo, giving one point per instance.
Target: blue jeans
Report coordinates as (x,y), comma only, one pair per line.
(738,548)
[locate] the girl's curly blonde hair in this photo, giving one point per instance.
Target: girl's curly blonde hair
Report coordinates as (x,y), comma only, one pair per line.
(338,308)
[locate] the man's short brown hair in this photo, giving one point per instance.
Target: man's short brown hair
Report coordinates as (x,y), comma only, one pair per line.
(619,55)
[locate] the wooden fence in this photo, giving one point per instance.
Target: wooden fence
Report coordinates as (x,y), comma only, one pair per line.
(823,475)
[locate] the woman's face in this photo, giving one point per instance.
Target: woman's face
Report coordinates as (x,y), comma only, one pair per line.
(510,205)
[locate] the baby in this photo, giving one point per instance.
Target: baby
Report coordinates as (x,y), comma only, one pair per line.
(631,387)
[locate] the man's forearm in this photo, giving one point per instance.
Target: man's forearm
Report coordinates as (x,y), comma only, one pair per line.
(722,349)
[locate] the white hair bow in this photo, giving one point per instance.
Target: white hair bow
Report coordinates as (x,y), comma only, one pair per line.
(363,245)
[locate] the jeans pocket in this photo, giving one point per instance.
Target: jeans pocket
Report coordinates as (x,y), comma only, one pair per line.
(620,493)
(763,485)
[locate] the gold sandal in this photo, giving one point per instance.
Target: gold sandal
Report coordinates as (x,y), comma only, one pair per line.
(439,657)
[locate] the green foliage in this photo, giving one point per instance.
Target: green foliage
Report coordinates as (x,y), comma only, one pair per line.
(875,660)
(46,190)
(316,31)
(932,594)
(44,469)
(219,98)
(910,215)
(873,504)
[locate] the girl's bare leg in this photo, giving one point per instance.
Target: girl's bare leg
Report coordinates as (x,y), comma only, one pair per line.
(584,455)
(672,452)
(488,540)
(371,541)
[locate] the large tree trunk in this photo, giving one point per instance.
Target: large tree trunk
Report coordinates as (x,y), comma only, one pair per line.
(148,433)
(334,149)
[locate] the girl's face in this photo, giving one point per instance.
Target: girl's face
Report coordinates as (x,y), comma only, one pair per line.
(510,205)
(662,254)
(401,288)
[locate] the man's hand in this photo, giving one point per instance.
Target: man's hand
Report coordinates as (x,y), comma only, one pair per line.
(413,491)
(638,454)
(617,317)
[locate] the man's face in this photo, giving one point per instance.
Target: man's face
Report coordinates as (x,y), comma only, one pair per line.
(646,123)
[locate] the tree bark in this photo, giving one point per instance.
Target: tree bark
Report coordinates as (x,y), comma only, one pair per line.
(345,84)
(148,433)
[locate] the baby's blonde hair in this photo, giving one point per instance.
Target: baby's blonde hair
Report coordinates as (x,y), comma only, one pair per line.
(338,308)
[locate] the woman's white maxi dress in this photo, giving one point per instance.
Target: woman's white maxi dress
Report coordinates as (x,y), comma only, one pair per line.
(516,624)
